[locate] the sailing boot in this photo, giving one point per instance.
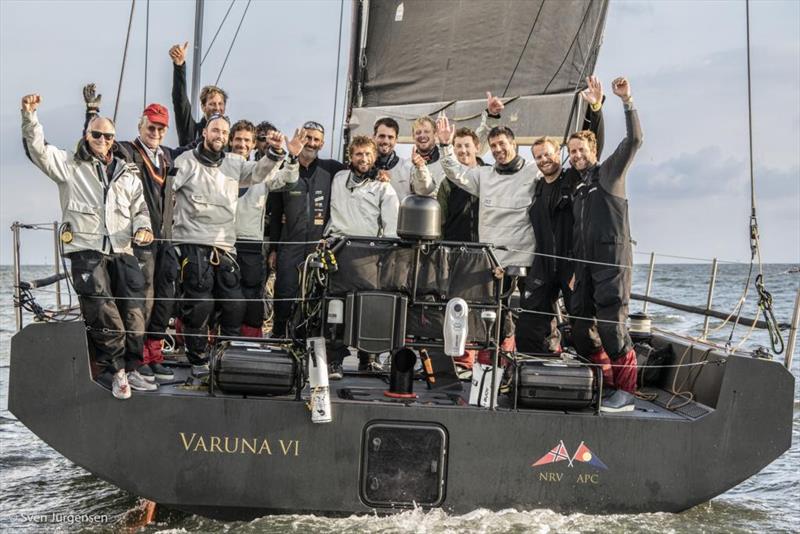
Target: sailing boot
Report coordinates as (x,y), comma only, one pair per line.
(624,369)
(251,331)
(601,358)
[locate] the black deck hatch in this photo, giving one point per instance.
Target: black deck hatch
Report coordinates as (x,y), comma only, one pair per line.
(403,464)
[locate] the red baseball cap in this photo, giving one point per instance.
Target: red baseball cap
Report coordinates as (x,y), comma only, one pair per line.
(157,114)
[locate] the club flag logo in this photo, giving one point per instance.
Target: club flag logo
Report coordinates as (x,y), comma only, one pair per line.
(559,453)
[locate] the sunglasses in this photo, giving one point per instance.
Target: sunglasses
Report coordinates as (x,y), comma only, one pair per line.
(156,129)
(312,125)
(97,135)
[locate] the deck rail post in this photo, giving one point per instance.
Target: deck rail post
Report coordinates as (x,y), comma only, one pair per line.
(17,295)
(792,332)
(711,283)
(649,281)
(57,262)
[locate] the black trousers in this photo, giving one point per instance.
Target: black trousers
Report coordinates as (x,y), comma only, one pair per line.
(209,278)
(287,285)
(116,325)
(537,331)
(602,292)
(253,266)
(159,264)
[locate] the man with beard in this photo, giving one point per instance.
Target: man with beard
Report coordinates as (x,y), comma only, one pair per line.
(104,213)
(604,259)
(157,260)
(552,220)
(206,190)
(361,205)
(385,133)
(298,218)
(212,99)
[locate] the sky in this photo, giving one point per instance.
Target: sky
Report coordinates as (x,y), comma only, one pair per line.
(689,187)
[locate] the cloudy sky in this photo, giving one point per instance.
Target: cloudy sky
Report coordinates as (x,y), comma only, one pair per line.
(689,188)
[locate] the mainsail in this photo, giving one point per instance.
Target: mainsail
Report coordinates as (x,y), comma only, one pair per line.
(417,57)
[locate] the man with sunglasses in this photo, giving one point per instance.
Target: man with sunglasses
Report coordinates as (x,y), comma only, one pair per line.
(157,260)
(104,213)
(207,182)
(298,218)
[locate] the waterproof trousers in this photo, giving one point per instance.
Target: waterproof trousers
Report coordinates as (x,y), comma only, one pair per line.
(603,293)
(159,264)
(110,290)
(253,265)
(209,279)
(287,285)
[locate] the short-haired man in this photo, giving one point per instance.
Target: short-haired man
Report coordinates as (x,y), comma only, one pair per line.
(603,254)
(250,216)
(157,260)
(212,99)
(552,220)
(262,140)
(104,210)
(206,187)
(297,220)
(385,132)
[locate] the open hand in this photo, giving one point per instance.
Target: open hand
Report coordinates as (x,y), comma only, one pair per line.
(178,53)
(445,131)
(494,105)
(91,97)
(593,94)
(621,88)
(297,142)
(31,102)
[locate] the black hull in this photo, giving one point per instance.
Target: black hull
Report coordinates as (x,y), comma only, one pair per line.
(275,460)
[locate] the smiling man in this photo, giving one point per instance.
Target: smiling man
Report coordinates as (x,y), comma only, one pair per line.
(104,214)
(206,187)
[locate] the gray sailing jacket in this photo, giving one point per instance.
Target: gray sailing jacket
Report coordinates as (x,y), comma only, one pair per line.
(368,209)
(101,218)
(206,197)
(504,201)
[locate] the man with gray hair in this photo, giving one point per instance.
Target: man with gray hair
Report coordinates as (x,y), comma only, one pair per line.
(104,212)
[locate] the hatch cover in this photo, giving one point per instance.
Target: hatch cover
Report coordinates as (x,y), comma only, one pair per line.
(403,464)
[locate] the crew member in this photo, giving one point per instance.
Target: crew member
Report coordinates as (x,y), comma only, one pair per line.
(250,210)
(552,221)
(103,209)
(206,191)
(385,132)
(602,250)
(212,99)
(361,205)
(297,220)
(157,260)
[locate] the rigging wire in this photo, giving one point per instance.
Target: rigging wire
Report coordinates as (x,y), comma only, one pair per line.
(233,41)
(230,6)
(146,49)
(124,59)
(524,48)
(572,44)
(336,84)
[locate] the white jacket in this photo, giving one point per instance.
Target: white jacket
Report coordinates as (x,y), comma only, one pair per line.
(206,196)
(504,202)
(100,219)
(368,210)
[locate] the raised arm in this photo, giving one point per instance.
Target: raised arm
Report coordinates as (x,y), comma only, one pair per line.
(268,169)
(489,119)
(52,161)
(421,180)
(92,100)
(615,167)
(593,120)
(180,101)
(464,177)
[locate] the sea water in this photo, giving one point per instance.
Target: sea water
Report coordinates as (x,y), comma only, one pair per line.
(40,491)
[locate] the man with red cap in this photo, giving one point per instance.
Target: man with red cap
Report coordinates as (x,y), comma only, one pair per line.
(158,261)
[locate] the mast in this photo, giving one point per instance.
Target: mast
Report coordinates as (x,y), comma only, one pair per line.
(197,47)
(353,71)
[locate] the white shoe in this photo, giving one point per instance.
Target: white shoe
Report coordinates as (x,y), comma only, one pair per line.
(138,383)
(119,387)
